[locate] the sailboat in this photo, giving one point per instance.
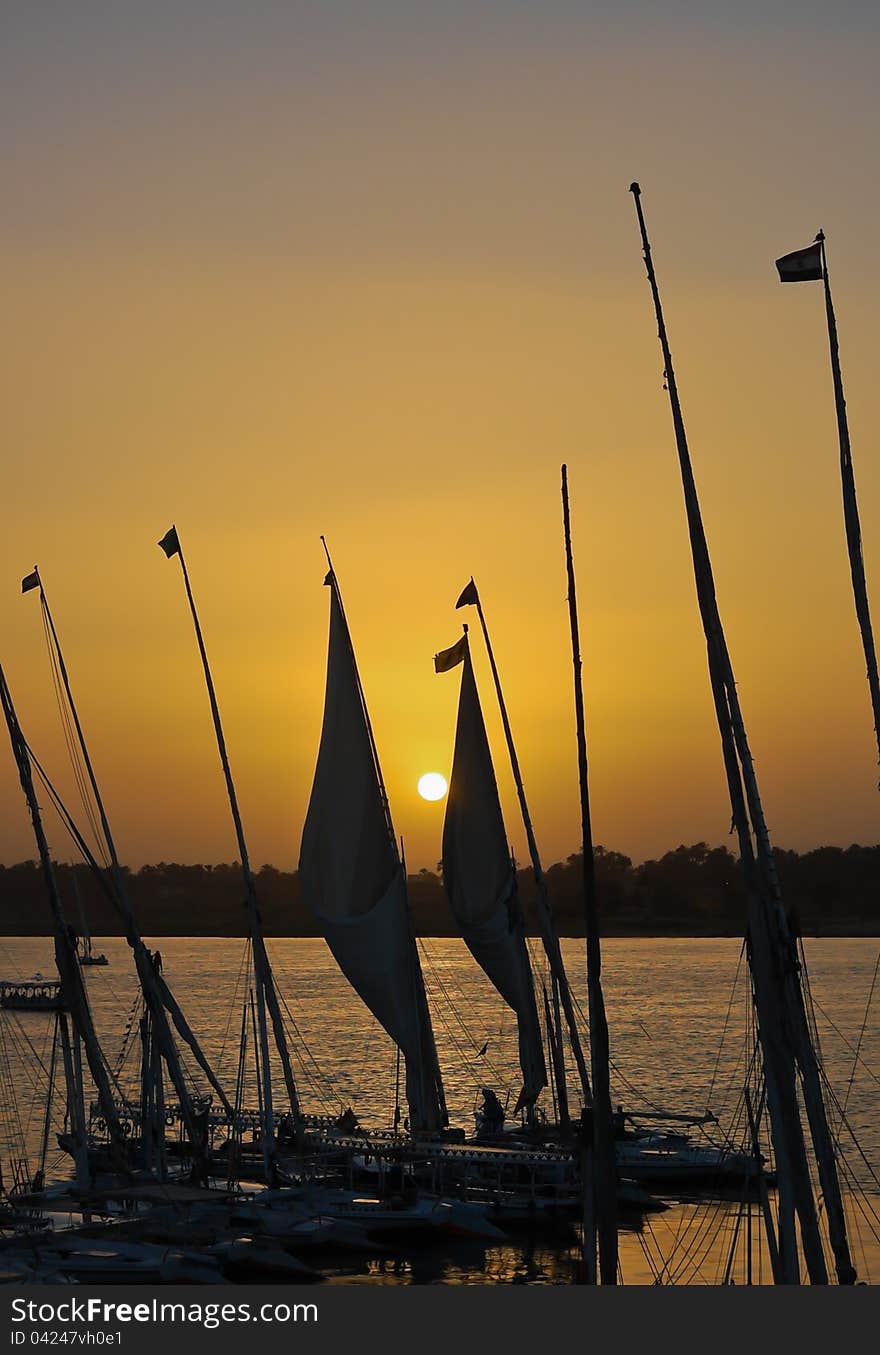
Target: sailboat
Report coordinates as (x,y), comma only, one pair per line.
(74,1019)
(266,994)
(353,878)
(162,1013)
(562,1001)
(791,1066)
(86,955)
(479,877)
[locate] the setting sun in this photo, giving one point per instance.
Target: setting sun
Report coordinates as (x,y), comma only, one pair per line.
(432,786)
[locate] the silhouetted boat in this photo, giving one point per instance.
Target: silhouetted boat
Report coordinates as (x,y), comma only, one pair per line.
(86,955)
(30,995)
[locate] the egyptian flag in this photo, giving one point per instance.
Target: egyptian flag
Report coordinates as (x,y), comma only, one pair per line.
(804,265)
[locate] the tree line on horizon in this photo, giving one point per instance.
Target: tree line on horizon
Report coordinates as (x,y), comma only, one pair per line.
(693,890)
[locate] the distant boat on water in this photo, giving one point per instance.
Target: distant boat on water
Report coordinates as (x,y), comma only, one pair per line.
(30,995)
(87,956)
(84,944)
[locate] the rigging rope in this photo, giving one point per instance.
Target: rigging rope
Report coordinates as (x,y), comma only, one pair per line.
(465,1057)
(70,737)
(861,1037)
(733,988)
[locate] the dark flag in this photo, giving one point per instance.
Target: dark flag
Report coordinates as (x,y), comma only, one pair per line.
(804,265)
(451,657)
(481,1052)
(30,581)
(468,597)
(170,543)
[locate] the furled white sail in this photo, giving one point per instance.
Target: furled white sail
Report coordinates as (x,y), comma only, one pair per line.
(481,883)
(352,879)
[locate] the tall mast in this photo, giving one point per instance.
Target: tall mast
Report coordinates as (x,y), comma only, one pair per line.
(604,1157)
(266,993)
(75,1104)
(72,987)
(850,503)
(779,1000)
(550,939)
(155,991)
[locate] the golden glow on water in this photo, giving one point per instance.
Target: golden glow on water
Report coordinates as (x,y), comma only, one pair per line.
(376,275)
(700,1243)
(668,1011)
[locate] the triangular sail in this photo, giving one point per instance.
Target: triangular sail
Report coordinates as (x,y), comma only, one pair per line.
(470,597)
(353,881)
(480,880)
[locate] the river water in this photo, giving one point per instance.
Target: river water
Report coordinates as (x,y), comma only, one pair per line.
(680,1026)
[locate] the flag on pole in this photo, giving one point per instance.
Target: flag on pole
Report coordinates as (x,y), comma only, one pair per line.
(468,596)
(30,581)
(451,657)
(804,265)
(170,543)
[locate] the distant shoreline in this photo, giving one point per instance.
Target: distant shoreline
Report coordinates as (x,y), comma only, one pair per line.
(692,891)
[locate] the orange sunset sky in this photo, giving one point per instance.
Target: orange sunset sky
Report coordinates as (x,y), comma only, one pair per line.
(372,270)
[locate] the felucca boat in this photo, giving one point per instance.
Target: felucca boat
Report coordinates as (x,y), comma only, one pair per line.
(791,1065)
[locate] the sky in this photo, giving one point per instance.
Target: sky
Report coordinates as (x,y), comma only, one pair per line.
(372,270)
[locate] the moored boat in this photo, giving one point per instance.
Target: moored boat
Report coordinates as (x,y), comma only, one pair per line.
(30,995)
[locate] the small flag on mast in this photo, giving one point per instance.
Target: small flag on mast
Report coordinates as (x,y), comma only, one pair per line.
(170,543)
(804,265)
(451,657)
(30,581)
(469,597)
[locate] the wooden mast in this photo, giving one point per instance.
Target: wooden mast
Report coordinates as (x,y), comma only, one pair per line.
(72,987)
(155,993)
(779,1001)
(850,503)
(604,1215)
(75,1103)
(549,936)
(266,995)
